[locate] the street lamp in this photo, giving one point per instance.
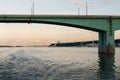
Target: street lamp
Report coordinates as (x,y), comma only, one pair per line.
(86,9)
(78,10)
(32,8)
(81,4)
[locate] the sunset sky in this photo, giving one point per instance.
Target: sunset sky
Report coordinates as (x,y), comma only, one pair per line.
(43,34)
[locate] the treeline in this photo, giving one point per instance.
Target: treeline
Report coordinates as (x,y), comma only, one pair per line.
(79,44)
(72,44)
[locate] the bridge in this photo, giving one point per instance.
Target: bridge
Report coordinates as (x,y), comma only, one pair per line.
(104,25)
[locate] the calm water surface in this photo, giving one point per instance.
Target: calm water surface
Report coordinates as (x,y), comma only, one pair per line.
(58,64)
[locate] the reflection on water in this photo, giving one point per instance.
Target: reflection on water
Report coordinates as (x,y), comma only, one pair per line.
(58,64)
(106,66)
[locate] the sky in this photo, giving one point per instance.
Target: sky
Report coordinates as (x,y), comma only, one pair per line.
(43,34)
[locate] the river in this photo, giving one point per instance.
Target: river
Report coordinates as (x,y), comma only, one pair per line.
(44,63)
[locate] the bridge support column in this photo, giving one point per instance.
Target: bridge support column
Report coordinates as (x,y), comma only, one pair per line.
(106,42)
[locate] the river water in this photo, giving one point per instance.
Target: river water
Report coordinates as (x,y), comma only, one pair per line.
(30,63)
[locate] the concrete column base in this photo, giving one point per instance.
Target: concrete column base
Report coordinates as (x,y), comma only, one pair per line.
(102,50)
(109,50)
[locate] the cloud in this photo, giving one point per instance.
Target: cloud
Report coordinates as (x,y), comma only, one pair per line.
(73,2)
(109,1)
(78,3)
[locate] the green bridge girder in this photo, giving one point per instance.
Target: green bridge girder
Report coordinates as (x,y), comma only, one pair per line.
(94,23)
(104,25)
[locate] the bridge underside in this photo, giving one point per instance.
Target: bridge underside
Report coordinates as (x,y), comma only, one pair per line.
(104,25)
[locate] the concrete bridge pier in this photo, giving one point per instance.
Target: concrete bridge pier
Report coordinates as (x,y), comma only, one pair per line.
(106,42)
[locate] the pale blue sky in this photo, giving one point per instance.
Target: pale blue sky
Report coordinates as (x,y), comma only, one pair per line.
(29,34)
(95,7)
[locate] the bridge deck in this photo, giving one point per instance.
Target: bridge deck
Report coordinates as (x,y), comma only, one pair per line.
(62,16)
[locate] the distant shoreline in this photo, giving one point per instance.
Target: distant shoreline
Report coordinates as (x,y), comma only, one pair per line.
(51,46)
(94,43)
(23,46)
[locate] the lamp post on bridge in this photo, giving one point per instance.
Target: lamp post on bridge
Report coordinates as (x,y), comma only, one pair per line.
(86,9)
(78,10)
(33,8)
(81,4)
